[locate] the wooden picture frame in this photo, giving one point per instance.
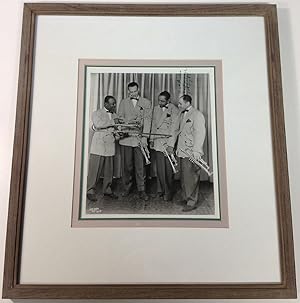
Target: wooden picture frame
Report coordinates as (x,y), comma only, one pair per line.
(13,289)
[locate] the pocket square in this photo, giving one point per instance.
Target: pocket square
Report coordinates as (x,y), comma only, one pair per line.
(188,120)
(168,115)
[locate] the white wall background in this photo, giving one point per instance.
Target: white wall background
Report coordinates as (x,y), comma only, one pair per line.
(10,36)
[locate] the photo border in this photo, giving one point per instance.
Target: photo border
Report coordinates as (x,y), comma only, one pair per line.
(172,221)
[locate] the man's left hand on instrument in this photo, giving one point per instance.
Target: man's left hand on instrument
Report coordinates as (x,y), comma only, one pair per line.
(197,156)
(144,141)
(119,120)
(170,150)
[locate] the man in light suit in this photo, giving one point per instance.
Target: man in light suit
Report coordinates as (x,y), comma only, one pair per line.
(134,110)
(189,133)
(164,116)
(103,144)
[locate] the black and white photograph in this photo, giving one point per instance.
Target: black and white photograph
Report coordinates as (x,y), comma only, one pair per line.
(149,143)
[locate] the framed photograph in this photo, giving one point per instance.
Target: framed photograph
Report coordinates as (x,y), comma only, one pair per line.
(149,155)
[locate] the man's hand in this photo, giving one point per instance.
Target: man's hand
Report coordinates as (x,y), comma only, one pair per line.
(119,120)
(151,144)
(117,137)
(197,155)
(144,141)
(134,121)
(170,150)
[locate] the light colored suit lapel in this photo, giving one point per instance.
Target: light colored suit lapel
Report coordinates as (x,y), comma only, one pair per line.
(162,117)
(189,113)
(181,123)
(130,104)
(105,116)
(138,108)
(185,118)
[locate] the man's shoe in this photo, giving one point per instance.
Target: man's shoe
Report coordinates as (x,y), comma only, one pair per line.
(143,196)
(181,202)
(167,198)
(125,193)
(189,207)
(111,196)
(92,197)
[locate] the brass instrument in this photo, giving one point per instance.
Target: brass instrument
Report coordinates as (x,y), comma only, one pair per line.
(128,132)
(201,163)
(139,134)
(145,152)
(128,125)
(133,126)
(174,160)
(171,158)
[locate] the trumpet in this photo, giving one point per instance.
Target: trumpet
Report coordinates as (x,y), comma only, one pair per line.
(201,163)
(145,152)
(171,158)
(139,134)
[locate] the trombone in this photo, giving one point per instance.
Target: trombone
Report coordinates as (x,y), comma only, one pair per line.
(200,163)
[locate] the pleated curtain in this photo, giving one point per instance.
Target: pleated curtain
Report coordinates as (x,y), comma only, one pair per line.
(150,86)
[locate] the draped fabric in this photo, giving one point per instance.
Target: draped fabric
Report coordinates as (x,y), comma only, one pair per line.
(150,86)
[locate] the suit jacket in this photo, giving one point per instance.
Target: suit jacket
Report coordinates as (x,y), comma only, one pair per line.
(141,111)
(103,141)
(189,130)
(162,122)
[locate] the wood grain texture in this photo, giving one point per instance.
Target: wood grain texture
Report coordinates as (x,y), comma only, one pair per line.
(12,287)
(149,9)
(279,152)
(180,291)
(19,162)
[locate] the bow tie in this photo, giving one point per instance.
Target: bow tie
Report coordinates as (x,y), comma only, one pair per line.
(132,98)
(185,111)
(164,106)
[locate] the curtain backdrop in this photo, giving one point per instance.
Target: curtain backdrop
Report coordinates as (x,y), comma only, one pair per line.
(150,85)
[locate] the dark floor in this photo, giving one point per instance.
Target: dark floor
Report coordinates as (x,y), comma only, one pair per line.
(155,205)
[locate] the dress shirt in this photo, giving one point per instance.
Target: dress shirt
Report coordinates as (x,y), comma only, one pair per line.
(134,101)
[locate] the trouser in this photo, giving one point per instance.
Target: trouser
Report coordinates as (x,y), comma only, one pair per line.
(190,181)
(105,168)
(133,164)
(164,173)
